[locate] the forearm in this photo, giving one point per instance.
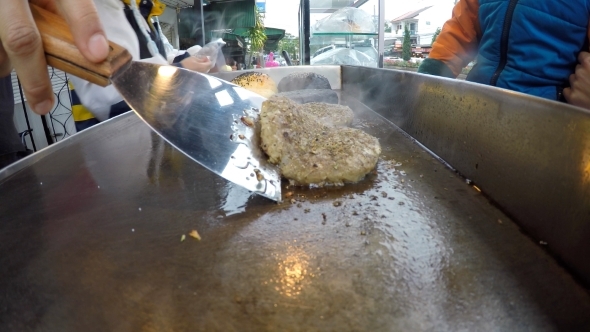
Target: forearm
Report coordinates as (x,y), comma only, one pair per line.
(435,67)
(458,41)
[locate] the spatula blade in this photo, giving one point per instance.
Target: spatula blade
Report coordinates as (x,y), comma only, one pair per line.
(206,118)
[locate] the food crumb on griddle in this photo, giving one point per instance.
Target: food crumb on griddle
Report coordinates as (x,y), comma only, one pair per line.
(182,238)
(248,121)
(195,234)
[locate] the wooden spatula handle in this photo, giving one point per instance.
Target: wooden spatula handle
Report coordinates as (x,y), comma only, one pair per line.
(62,54)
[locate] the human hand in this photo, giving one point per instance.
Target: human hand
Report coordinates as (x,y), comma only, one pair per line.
(579,92)
(200,64)
(21,46)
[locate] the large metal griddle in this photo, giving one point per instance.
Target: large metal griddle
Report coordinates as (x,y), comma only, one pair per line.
(90,228)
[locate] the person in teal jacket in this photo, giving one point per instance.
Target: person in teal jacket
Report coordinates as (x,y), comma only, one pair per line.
(530,46)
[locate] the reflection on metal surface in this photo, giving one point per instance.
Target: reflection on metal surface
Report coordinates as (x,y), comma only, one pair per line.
(585,162)
(196,113)
(292,271)
(224,98)
(525,153)
(586,170)
(247,158)
(242,93)
(214,83)
(332,73)
(410,248)
(166,71)
(235,199)
(165,163)
(410,234)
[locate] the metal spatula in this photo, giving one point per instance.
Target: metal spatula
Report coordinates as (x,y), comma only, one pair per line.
(210,120)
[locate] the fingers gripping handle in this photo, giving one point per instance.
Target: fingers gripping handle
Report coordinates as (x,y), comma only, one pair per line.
(62,53)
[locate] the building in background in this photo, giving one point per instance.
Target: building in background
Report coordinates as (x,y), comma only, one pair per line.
(422,24)
(229,20)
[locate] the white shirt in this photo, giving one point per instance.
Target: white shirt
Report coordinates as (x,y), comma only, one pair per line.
(99,99)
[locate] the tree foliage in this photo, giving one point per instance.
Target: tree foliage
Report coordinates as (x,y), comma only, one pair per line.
(290,44)
(407,45)
(256,34)
(436,33)
(387,27)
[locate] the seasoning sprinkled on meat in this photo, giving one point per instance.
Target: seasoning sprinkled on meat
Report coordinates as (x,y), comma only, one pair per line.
(330,114)
(258,83)
(312,150)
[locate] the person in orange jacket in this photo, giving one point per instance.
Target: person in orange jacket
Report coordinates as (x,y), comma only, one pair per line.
(531,46)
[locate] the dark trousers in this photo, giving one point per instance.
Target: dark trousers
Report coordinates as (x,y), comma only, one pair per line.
(11,147)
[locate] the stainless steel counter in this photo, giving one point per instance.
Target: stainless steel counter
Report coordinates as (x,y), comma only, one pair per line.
(90,240)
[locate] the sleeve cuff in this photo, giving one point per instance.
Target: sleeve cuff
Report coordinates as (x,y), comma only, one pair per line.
(181,57)
(435,67)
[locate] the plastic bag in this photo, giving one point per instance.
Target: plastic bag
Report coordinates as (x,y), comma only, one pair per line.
(211,51)
(347,19)
(344,56)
